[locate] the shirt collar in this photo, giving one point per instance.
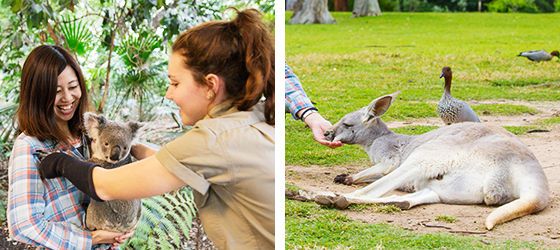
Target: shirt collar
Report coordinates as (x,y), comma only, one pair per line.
(221,109)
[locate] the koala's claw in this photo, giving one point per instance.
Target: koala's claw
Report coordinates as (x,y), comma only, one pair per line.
(41,154)
(343,179)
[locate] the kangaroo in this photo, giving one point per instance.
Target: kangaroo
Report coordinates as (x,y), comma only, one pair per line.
(464,163)
(110,146)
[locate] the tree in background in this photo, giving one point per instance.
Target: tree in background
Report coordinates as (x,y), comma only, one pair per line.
(311,11)
(366,8)
(340,5)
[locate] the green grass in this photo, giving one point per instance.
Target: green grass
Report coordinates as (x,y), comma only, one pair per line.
(376,208)
(549,121)
(414,129)
(519,130)
(309,226)
(446,218)
(503,109)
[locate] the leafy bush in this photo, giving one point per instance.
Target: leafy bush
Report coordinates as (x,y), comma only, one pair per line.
(513,6)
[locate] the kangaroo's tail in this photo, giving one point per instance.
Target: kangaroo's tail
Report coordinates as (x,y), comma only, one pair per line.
(515,209)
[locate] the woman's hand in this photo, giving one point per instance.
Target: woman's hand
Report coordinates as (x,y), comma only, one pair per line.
(318,126)
(108,237)
(141,151)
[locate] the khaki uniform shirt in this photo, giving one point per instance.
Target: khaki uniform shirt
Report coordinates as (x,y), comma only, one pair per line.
(228,159)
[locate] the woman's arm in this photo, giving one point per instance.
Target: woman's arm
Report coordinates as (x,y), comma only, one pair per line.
(26,207)
(139,179)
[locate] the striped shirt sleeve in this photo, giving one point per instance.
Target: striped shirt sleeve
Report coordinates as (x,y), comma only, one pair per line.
(296,99)
(28,221)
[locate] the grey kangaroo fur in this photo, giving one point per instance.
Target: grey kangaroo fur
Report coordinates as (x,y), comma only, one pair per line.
(110,147)
(464,163)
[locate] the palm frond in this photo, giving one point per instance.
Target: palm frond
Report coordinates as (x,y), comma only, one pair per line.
(77,35)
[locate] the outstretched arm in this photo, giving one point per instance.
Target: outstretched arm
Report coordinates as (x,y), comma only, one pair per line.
(139,179)
(301,108)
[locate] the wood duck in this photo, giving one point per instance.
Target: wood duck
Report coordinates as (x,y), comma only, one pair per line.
(452,110)
(539,55)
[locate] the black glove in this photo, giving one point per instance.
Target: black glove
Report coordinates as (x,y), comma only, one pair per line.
(80,173)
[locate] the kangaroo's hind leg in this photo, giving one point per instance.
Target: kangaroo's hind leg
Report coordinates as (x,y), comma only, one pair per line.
(407,201)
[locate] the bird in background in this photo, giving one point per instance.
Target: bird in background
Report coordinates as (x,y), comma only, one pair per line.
(539,55)
(452,110)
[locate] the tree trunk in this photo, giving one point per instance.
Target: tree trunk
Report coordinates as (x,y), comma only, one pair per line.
(311,11)
(290,4)
(366,8)
(106,85)
(340,5)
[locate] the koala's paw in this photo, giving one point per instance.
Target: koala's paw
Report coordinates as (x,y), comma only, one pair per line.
(41,154)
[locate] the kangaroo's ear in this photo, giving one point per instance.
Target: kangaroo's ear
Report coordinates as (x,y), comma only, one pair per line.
(379,106)
(92,123)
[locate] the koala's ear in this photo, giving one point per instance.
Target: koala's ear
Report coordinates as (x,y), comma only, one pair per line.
(93,122)
(134,127)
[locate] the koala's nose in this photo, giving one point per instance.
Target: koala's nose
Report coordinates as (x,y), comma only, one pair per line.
(115,153)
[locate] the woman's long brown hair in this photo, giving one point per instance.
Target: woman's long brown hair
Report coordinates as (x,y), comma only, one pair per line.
(240,51)
(39,80)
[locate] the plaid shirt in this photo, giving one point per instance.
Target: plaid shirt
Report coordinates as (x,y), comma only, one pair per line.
(47,214)
(296,99)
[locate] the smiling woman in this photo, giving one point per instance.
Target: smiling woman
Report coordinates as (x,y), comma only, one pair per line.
(48,213)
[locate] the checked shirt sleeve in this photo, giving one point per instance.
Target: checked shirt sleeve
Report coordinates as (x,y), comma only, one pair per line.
(27,220)
(296,99)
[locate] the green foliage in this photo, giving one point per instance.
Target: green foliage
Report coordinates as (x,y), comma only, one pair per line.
(166,221)
(77,34)
(446,218)
(140,77)
(513,6)
(309,226)
(3,206)
(7,129)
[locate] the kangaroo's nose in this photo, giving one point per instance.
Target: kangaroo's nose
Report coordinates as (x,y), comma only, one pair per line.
(329,135)
(115,153)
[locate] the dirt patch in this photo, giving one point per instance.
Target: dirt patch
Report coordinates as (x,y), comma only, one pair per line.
(543,227)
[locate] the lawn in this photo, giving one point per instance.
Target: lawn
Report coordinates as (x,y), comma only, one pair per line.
(346,65)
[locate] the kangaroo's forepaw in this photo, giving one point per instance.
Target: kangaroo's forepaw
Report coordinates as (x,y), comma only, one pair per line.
(344,179)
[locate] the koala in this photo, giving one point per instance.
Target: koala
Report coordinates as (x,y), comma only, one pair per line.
(110,148)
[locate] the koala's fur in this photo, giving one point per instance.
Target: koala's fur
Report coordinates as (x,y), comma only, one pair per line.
(110,148)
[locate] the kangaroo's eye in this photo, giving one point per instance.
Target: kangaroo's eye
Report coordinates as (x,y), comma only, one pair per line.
(347,125)
(106,144)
